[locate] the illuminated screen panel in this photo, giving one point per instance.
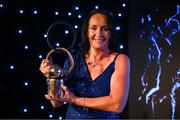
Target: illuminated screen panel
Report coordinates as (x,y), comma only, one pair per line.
(154,49)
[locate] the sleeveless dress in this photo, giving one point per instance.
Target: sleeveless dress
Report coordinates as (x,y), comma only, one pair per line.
(81,84)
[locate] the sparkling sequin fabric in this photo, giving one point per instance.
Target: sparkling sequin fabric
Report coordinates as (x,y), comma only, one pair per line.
(81,84)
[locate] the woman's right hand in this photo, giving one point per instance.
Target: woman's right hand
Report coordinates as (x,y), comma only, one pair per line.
(44,68)
(45,65)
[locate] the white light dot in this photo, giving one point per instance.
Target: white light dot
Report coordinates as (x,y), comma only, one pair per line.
(35,12)
(124,5)
(96,7)
(76,8)
(57,44)
(76,26)
(66,31)
(119,14)
(11,67)
(1,5)
(42,107)
(56,13)
(26,83)
(25,110)
(149,17)
(60,118)
(40,56)
(69,13)
(20,31)
(50,115)
(121,46)
(79,16)
(45,35)
(118,28)
(21,11)
(26,47)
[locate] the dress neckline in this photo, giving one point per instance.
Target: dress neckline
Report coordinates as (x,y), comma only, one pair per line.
(88,72)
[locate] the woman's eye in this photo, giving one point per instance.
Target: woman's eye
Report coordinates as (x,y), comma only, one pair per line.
(105,29)
(93,28)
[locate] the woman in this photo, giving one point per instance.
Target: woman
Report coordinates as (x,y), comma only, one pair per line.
(99,84)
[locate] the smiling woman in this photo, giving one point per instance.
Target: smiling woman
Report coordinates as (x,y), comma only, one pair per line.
(98,32)
(99,84)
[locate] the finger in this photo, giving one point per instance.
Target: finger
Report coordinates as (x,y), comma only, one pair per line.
(47,97)
(41,63)
(65,88)
(49,61)
(51,98)
(45,70)
(44,64)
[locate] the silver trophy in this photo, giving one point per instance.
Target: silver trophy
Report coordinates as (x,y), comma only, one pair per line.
(56,75)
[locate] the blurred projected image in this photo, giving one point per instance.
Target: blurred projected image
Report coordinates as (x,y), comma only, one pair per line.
(160,79)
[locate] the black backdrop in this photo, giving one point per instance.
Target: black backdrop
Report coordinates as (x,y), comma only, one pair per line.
(15,96)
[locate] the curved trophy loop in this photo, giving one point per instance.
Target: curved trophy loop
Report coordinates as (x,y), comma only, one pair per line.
(64,24)
(55,77)
(69,55)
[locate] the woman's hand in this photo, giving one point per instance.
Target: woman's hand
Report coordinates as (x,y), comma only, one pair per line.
(45,65)
(67,96)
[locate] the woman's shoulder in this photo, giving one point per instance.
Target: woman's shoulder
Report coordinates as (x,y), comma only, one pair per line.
(119,55)
(121,58)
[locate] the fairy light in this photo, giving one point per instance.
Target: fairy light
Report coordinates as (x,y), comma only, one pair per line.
(57,44)
(20,31)
(26,47)
(79,16)
(76,8)
(96,7)
(45,35)
(26,83)
(1,5)
(69,13)
(121,46)
(117,28)
(42,107)
(76,26)
(21,11)
(56,13)
(25,110)
(119,14)
(40,56)
(124,5)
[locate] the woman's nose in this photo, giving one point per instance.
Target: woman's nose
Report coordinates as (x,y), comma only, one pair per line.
(99,32)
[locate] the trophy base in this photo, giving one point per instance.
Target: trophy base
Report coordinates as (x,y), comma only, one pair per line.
(54,88)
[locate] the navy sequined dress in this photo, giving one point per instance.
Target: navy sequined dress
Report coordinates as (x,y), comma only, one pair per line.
(81,84)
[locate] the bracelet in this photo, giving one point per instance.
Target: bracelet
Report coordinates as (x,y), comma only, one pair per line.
(84,103)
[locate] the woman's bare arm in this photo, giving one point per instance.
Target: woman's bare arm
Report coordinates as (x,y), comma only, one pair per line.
(119,86)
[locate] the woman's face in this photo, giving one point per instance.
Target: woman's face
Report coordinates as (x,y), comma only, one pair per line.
(98,32)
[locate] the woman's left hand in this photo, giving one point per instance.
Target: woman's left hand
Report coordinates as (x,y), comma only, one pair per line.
(68,95)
